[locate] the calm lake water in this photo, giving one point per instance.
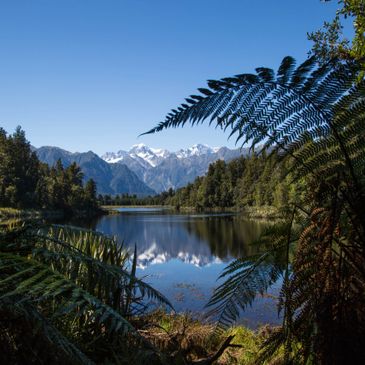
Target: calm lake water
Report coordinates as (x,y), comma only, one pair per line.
(182,255)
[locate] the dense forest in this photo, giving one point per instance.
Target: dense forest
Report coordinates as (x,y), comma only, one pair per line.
(257,181)
(25,182)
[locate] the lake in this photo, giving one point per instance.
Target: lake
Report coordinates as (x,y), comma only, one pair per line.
(182,255)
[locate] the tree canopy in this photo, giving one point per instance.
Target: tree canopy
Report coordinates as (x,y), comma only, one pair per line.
(25,182)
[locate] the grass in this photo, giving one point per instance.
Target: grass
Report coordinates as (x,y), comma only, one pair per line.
(265,211)
(7,213)
(188,340)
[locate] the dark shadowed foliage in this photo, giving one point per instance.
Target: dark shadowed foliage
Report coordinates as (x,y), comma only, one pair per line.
(314,115)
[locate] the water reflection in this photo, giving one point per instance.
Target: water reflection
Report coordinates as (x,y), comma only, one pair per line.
(182,255)
(196,239)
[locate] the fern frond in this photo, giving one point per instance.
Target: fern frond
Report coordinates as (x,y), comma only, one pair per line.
(74,251)
(246,278)
(284,111)
(38,282)
(20,307)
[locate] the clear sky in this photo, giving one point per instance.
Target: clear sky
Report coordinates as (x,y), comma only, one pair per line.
(92,75)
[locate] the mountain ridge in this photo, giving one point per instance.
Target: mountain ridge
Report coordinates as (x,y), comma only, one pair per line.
(110,178)
(161,169)
(142,170)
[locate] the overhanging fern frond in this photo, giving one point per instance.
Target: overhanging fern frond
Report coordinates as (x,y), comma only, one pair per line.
(278,110)
(248,277)
(103,257)
(44,328)
(313,113)
(38,282)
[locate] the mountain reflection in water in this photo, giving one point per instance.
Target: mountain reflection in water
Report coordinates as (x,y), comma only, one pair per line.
(182,255)
(199,239)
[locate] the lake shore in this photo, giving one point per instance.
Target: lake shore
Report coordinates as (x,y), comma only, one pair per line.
(262,212)
(27,214)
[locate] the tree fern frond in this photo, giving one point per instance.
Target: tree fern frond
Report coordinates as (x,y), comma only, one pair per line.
(34,281)
(248,277)
(45,328)
(302,73)
(276,110)
(241,288)
(313,115)
(285,70)
(265,74)
(104,260)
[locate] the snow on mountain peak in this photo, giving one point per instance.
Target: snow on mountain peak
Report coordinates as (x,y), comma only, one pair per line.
(200,149)
(145,153)
(160,152)
(195,150)
(154,156)
(112,157)
(139,145)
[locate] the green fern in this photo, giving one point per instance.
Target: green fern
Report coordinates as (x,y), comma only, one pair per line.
(69,283)
(296,107)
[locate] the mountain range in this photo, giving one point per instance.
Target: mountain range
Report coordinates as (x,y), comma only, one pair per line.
(141,170)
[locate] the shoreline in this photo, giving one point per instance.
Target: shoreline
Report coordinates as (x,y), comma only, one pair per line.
(28,214)
(263,212)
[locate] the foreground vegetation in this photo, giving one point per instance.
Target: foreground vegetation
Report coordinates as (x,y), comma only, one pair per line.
(313,116)
(66,296)
(72,296)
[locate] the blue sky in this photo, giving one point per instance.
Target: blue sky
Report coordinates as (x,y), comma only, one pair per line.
(92,75)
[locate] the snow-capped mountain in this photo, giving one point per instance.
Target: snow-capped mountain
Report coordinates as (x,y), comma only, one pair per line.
(196,150)
(154,156)
(141,170)
(112,157)
(161,169)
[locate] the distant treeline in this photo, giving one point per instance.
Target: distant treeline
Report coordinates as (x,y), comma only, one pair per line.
(25,182)
(127,199)
(253,181)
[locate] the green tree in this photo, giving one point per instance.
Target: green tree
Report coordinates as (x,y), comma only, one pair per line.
(90,193)
(25,182)
(329,41)
(19,169)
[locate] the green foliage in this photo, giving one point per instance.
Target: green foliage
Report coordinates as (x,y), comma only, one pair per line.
(25,182)
(73,289)
(312,115)
(249,276)
(329,41)
(127,199)
(253,181)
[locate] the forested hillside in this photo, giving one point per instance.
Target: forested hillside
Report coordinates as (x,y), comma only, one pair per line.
(25,182)
(257,180)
